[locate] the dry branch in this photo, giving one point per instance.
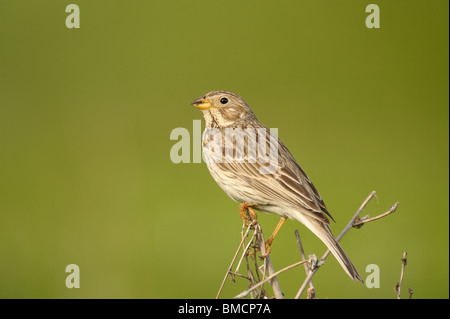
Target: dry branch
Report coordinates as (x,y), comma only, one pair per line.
(410,291)
(245,293)
(342,234)
(232,262)
(269,275)
(398,286)
(261,243)
(311,290)
(258,237)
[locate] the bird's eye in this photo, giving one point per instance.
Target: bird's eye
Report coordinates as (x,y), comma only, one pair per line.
(224,100)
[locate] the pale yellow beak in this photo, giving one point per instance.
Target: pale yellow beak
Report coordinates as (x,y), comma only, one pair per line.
(201,104)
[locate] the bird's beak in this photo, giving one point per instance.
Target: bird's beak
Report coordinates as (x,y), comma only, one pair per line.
(201,104)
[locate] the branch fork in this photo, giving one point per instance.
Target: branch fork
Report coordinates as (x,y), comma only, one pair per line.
(266,273)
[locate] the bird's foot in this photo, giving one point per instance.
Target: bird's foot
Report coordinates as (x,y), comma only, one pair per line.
(267,252)
(247,214)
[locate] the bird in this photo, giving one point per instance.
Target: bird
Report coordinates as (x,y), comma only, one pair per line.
(270,182)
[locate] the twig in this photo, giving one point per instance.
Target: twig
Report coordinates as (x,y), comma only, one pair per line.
(398,286)
(232,262)
(259,238)
(342,234)
(268,263)
(311,293)
(311,289)
(250,273)
(352,221)
(267,269)
(240,275)
(364,221)
(245,293)
(245,252)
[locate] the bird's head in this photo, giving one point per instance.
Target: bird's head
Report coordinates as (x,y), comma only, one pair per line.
(223,108)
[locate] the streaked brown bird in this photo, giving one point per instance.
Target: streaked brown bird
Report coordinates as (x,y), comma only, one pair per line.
(256,169)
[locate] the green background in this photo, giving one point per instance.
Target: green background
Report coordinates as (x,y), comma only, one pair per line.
(86,116)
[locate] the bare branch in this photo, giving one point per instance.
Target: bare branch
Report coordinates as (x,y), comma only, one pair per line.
(245,293)
(342,234)
(311,265)
(245,251)
(268,263)
(361,221)
(398,286)
(232,262)
(307,270)
(410,291)
(311,293)
(240,275)
(260,243)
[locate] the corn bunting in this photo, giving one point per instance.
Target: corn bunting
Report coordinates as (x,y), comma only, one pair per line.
(256,169)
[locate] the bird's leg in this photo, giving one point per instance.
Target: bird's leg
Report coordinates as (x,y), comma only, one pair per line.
(270,240)
(250,216)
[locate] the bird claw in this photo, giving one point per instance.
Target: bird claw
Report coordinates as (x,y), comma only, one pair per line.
(268,251)
(247,214)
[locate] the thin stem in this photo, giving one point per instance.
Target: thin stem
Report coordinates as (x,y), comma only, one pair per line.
(245,293)
(232,262)
(398,286)
(346,229)
(390,211)
(244,252)
(268,264)
(302,253)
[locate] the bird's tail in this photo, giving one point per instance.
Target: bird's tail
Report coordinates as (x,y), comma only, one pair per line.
(322,231)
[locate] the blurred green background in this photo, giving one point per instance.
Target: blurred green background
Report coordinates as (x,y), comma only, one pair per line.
(86,115)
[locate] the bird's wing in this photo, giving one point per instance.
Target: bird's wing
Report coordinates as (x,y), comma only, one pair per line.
(287,183)
(294,171)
